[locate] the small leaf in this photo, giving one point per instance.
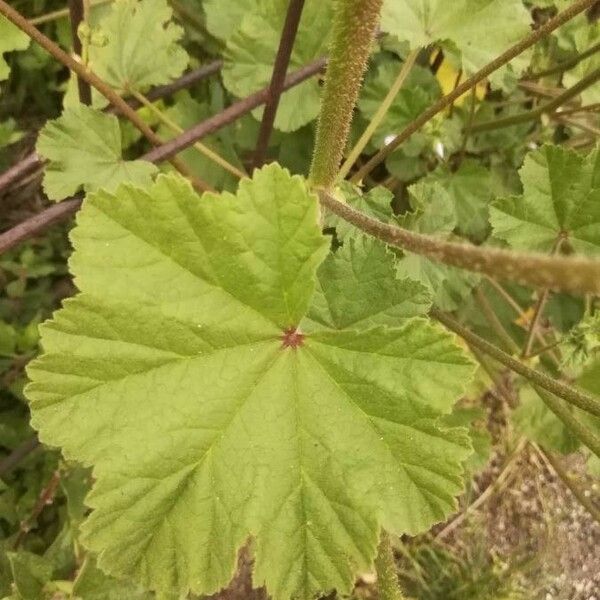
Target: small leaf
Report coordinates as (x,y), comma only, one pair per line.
(180,374)
(251,51)
(141,48)
(11,38)
(357,288)
(84,149)
(561,198)
(30,574)
(222,19)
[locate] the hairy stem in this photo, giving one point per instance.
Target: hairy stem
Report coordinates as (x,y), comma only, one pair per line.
(575,275)
(388,587)
(572,395)
(92,79)
(280,67)
(354,27)
(514,51)
(383,109)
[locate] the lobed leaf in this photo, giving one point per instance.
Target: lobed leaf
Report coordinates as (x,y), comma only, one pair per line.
(561,199)
(83,147)
(181,372)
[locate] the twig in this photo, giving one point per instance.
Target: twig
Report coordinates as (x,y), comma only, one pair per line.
(352,33)
(514,51)
(230,114)
(549,107)
(576,275)
(567,64)
(92,79)
(586,435)
(76,12)
(173,126)
(21,452)
(45,498)
(572,395)
(61,13)
(38,223)
(494,321)
(280,67)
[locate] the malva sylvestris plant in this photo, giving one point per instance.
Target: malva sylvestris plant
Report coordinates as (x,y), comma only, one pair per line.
(237,378)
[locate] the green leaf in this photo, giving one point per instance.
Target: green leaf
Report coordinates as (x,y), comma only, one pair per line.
(30,574)
(480,437)
(187,112)
(469,188)
(561,198)
(357,288)
(251,51)
(479,29)
(419,91)
(222,19)
(179,373)
(93,584)
(141,45)
(534,420)
(433,213)
(11,38)
(84,149)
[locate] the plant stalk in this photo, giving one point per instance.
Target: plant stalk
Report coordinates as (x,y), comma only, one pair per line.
(574,275)
(77,14)
(388,587)
(354,27)
(570,394)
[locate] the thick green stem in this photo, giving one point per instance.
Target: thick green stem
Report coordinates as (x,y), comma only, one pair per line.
(387,579)
(572,395)
(570,274)
(354,26)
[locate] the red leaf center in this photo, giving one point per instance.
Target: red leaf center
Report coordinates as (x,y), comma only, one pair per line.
(292,338)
